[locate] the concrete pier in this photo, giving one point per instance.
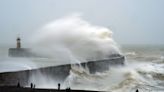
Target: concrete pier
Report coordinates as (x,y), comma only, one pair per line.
(58,72)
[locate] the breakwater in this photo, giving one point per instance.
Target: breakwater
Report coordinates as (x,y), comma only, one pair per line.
(60,72)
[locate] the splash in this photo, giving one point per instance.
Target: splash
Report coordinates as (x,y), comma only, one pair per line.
(73,39)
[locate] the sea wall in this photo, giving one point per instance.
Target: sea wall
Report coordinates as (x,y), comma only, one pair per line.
(57,72)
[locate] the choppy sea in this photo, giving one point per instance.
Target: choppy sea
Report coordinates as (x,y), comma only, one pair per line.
(144,70)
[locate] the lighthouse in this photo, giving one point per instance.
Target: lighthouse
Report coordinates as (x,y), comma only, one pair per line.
(18,51)
(18,45)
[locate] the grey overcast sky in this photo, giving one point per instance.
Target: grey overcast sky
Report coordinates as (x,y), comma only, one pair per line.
(132,21)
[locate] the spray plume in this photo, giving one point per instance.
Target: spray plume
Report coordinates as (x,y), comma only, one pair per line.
(73,39)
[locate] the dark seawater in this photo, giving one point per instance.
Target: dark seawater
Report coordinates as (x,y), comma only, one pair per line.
(144,70)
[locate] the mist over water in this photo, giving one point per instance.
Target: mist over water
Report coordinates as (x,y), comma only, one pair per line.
(73,40)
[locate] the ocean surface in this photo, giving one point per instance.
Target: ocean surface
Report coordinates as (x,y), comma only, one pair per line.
(144,70)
